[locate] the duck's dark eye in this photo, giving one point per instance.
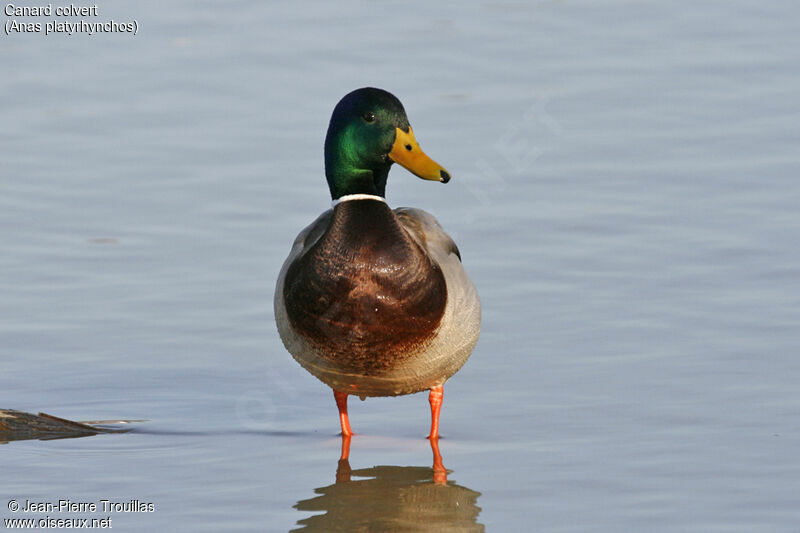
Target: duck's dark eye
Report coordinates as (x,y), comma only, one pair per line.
(369,116)
(408,147)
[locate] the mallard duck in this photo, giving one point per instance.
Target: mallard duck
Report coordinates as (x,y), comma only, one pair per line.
(375,301)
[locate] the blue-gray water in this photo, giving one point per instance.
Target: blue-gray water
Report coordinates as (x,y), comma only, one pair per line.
(624,195)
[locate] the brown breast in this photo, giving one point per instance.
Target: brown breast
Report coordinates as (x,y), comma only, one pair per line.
(365,296)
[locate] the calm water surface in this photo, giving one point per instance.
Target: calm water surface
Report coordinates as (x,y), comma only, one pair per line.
(624,195)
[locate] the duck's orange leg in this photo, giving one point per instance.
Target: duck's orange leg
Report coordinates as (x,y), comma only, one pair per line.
(345,448)
(435,398)
(341,403)
(439,471)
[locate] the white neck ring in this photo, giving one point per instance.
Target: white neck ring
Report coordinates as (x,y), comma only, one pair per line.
(349,197)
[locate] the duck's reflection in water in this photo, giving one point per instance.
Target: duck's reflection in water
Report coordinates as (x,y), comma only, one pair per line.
(391,498)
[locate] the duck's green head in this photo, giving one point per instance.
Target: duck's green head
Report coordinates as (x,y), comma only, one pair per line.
(368,132)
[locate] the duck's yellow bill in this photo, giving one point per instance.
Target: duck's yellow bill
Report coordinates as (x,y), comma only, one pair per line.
(406,152)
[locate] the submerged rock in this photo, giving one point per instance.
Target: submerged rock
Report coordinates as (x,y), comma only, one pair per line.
(19,425)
